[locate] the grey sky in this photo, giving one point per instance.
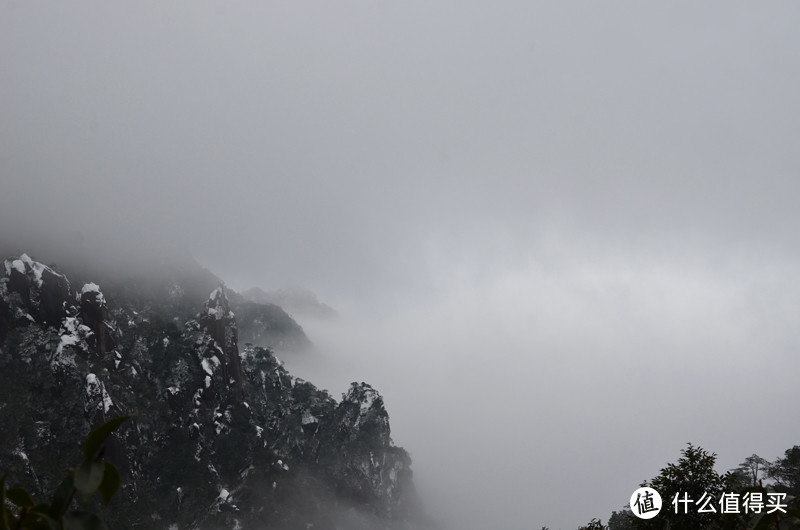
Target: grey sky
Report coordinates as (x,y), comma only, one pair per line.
(547,196)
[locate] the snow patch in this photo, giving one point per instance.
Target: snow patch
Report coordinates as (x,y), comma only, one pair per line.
(368,401)
(90,288)
(365,396)
(30,268)
(95,388)
(210,364)
(94,288)
(217,305)
(73,334)
(17,265)
(18,451)
(308,418)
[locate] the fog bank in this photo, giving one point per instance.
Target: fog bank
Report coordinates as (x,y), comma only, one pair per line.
(522,392)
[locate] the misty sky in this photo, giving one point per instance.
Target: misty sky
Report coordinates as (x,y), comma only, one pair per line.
(562,235)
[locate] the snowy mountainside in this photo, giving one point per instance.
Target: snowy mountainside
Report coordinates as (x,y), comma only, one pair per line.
(222,436)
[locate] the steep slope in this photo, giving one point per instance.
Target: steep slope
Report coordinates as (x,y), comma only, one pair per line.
(296,300)
(222,436)
(269,326)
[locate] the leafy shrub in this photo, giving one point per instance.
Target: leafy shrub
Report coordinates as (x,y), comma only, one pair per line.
(18,509)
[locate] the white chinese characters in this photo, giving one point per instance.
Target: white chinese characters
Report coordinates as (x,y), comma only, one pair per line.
(747,503)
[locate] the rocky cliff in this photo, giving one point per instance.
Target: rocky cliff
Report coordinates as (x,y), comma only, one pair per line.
(222,435)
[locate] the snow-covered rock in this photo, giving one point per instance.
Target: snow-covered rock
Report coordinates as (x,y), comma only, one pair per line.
(220,438)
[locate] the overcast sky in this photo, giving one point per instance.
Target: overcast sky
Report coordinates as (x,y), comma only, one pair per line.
(563,235)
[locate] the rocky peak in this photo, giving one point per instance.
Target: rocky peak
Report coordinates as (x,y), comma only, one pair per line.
(43,292)
(362,406)
(367,464)
(219,323)
(94,313)
(217,306)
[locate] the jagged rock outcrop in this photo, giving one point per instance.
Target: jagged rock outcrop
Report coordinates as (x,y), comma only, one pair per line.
(222,436)
(94,314)
(43,293)
(366,465)
(219,323)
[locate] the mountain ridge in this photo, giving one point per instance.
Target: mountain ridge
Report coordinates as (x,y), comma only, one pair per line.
(296,300)
(223,436)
